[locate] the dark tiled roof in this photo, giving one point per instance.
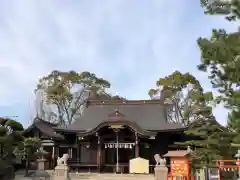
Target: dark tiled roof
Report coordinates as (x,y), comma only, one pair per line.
(45,127)
(149,115)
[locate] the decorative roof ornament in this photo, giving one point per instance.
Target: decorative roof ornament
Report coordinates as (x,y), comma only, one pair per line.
(116,112)
(116,116)
(189,150)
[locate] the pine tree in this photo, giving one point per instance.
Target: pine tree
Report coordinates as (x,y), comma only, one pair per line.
(220,58)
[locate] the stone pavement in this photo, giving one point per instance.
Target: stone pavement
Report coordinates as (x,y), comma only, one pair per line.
(93,176)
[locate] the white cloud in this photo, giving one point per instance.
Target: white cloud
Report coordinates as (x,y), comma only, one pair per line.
(130,43)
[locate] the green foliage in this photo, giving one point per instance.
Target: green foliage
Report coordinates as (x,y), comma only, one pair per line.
(220,54)
(67,91)
(107,96)
(10,130)
(14,125)
(27,148)
(233,124)
(3,131)
(117,98)
(234,121)
(10,138)
(32,142)
(220,58)
(212,142)
(31,145)
(229,8)
(186,94)
(194,108)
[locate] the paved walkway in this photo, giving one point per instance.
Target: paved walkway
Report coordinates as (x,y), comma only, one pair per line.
(86,176)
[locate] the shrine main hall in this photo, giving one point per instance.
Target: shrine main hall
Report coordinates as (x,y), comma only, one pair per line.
(110,133)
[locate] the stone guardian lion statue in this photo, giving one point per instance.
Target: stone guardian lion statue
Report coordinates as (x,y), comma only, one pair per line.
(62,160)
(159,161)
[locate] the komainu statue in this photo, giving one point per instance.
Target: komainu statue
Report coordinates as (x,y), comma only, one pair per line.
(159,161)
(62,160)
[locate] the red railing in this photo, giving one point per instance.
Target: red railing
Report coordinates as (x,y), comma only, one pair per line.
(182,178)
(227,164)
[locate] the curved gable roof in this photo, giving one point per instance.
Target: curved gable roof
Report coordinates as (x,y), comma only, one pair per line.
(149,115)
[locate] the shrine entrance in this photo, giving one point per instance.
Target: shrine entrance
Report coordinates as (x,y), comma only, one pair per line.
(119,147)
(125,153)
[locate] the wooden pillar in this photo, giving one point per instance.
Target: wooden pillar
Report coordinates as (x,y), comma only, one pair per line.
(77,144)
(136,146)
(57,151)
(53,151)
(99,152)
(70,152)
(53,156)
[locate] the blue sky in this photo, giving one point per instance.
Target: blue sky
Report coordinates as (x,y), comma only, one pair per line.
(131,43)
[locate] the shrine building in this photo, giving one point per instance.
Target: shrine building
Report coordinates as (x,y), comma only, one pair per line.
(110,133)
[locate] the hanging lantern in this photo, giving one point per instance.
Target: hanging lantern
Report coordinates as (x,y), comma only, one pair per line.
(105,146)
(130,146)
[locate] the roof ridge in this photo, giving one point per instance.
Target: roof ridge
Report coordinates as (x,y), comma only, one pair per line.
(37,119)
(125,102)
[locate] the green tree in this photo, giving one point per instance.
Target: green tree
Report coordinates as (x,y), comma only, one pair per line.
(107,96)
(220,54)
(184,91)
(67,91)
(10,138)
(29,148)
(193,107)
(220,58)
(211,141)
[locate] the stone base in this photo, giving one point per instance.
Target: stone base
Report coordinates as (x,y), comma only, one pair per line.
(41,164)
(61,172)
(41,174)
(161,172)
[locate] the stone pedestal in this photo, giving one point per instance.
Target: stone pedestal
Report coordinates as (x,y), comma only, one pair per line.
(61,172)
(161,172)
(41,164)
(40,173)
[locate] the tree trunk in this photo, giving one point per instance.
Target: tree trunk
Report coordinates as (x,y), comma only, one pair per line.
(26,167)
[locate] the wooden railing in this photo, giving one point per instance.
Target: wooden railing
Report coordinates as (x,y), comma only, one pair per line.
(183,178)
(77,166)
